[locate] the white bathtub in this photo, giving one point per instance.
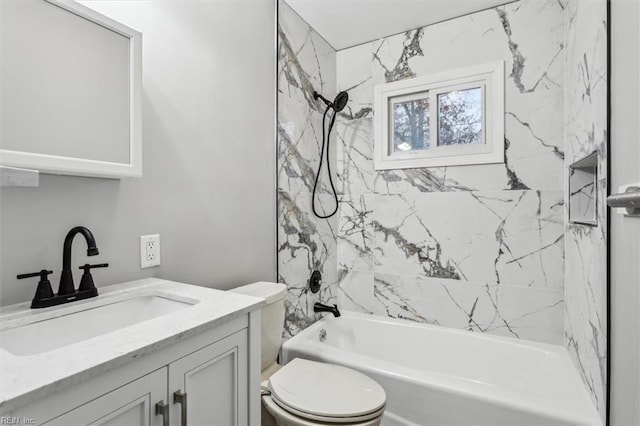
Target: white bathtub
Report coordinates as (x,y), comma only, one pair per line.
(441,376)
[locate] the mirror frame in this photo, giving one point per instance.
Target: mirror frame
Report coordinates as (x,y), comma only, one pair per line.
(55,164)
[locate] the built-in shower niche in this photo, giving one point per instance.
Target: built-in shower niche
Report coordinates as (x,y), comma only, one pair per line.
(583,177)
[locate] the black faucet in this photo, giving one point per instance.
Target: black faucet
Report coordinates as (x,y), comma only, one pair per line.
(66,277)
(44,296)
(319,307)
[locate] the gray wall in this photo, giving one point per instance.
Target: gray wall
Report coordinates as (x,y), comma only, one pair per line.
(625,231)
(209,160)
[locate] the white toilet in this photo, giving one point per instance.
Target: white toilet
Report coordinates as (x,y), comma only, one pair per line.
(308,393)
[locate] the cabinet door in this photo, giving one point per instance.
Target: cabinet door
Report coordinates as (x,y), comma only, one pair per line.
(214,382)
(130,405)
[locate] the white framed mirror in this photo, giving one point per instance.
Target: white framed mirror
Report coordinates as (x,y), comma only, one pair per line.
(71,90)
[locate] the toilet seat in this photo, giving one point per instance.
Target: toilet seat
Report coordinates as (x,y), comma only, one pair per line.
(285,418)
(326,393)
(326,419)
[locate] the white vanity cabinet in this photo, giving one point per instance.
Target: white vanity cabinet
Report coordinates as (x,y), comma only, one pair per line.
(132,404)
(207,387)
(213,387)
(206,377)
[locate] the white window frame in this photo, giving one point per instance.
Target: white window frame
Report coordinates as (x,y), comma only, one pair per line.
(489,77)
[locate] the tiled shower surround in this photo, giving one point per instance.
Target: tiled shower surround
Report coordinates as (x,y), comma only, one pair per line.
(585,320)
(305,243)
(478,247)
(475,247)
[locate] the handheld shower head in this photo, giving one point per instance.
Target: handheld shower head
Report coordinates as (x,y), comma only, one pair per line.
(338,103)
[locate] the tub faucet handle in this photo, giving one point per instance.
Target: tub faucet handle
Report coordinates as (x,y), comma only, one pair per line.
(315,282)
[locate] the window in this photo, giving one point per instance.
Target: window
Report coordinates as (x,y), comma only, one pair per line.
(452,118)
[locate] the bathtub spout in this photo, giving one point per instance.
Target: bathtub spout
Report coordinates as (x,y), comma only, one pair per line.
(319,307)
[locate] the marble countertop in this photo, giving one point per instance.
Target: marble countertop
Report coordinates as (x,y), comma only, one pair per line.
(27,378)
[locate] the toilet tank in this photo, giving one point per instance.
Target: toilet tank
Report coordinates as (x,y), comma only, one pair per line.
(272,316)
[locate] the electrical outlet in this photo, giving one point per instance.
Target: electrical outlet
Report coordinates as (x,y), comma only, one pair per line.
(149,250)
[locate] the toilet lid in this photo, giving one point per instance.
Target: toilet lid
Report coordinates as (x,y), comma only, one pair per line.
(326,390)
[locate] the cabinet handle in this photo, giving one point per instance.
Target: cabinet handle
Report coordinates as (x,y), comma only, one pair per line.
(162,409)
(180,397)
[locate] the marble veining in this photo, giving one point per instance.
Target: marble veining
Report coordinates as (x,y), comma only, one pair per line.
(534,129)
(356,233)
(473,306)
(486,248)
(305,243)
(477,247)
(586,246)
(520,242)
(410,48)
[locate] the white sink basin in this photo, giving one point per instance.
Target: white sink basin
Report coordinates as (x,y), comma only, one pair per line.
(64,330)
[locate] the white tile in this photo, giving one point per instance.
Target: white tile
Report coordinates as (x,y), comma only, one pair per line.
(527,34)
(299,148)
(354,156)
(355,291)
(519,312)
(459,222)
(355,233)
(306,243)
(508,237)
(586,247)
(305,61)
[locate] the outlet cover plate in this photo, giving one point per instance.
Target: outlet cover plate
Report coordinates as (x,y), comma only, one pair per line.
(149,250)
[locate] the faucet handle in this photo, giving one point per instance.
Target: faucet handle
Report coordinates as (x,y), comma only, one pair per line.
(43,274)
(86,283)
(44,290)
(88,267)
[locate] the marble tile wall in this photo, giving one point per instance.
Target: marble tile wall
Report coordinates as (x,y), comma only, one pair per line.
(474,247)
(305,243)
(586,246)
(486,248)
